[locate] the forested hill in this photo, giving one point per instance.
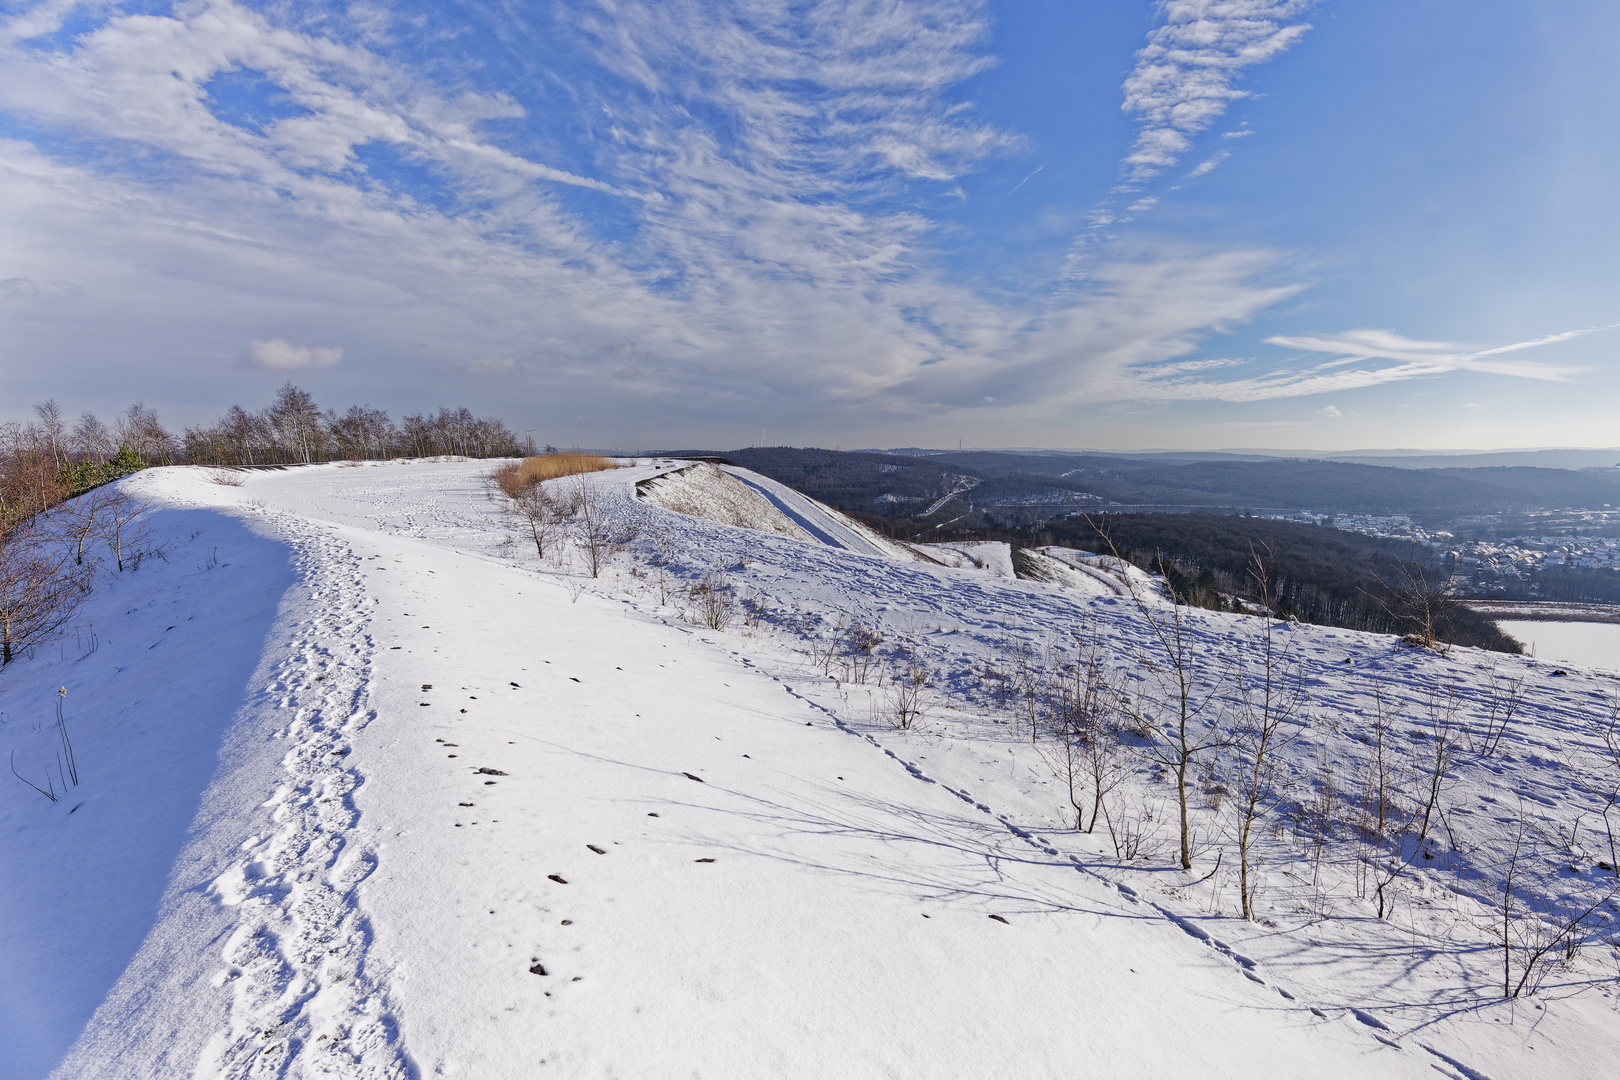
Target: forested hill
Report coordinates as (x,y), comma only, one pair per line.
(901,484)
(1320,575)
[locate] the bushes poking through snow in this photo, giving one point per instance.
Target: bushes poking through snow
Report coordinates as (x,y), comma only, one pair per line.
(713,604)
(905,700)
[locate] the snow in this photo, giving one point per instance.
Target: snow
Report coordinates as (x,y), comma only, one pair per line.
(1586,644)
(993,558)
(271,866)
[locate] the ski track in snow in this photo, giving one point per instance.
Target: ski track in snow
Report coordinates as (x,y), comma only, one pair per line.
(303,1001)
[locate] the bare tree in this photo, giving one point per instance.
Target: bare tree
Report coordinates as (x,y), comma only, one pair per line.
(123,526)
(77,521)
(1087,757)
(541,512)
(297,423)
(1431,776)
(713,605)
(1534,933)
(593,523)
(905,699)
(30,480)
(140,429)
(91,439)
(1270,700)
(1611,746)
(1504,695)
(361,433)
(1418,595)
(54,430)
(39,591)
(1197,721)
(1377,800)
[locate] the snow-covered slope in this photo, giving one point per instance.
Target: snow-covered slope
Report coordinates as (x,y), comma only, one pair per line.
(701,489)
(370,790)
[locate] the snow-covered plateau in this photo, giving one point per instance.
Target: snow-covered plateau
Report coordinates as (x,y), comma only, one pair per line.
(368,787)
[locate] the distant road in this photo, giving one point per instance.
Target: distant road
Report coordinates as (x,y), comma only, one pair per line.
(940,503)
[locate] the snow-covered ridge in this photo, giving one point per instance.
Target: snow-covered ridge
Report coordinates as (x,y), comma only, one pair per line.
(369,789)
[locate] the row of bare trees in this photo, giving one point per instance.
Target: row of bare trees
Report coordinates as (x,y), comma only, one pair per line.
(293,429)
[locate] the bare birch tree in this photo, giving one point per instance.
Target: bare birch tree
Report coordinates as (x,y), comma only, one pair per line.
(542,513)
(123,526)
(1270,700)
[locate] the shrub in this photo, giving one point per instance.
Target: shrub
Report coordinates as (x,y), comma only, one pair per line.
(520,476)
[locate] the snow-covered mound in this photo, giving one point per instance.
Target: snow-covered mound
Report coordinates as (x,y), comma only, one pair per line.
(991,557)
(702,490)
(370,789)
(823,522)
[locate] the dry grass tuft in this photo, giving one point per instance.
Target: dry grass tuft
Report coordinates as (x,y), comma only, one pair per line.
(519,477)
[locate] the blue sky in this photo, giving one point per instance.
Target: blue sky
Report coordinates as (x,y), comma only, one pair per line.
(1090,223)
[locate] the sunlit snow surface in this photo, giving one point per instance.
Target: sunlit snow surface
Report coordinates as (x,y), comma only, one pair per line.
(283,858)
(1589,644)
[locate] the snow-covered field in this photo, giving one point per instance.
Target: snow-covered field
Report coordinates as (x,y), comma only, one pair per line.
(367,788)
(1589,644)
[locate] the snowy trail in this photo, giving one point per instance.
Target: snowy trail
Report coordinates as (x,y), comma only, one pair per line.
(304,999)
(273,876)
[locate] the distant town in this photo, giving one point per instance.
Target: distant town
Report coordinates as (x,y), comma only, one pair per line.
(1585,540)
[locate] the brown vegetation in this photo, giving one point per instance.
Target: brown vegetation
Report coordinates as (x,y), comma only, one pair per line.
(520,476)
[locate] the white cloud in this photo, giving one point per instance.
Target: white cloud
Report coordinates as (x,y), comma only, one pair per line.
(766,264)
(1330,411)
(1184,77)
(1356,365)
(1418,358)
(278,355)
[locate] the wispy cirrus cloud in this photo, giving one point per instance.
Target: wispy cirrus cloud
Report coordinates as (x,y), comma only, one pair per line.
(743,205)
(1356,365)
(1186,75)
(1183,80)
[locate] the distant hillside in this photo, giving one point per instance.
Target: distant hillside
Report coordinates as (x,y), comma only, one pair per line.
(1003,486)
(1321,575)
